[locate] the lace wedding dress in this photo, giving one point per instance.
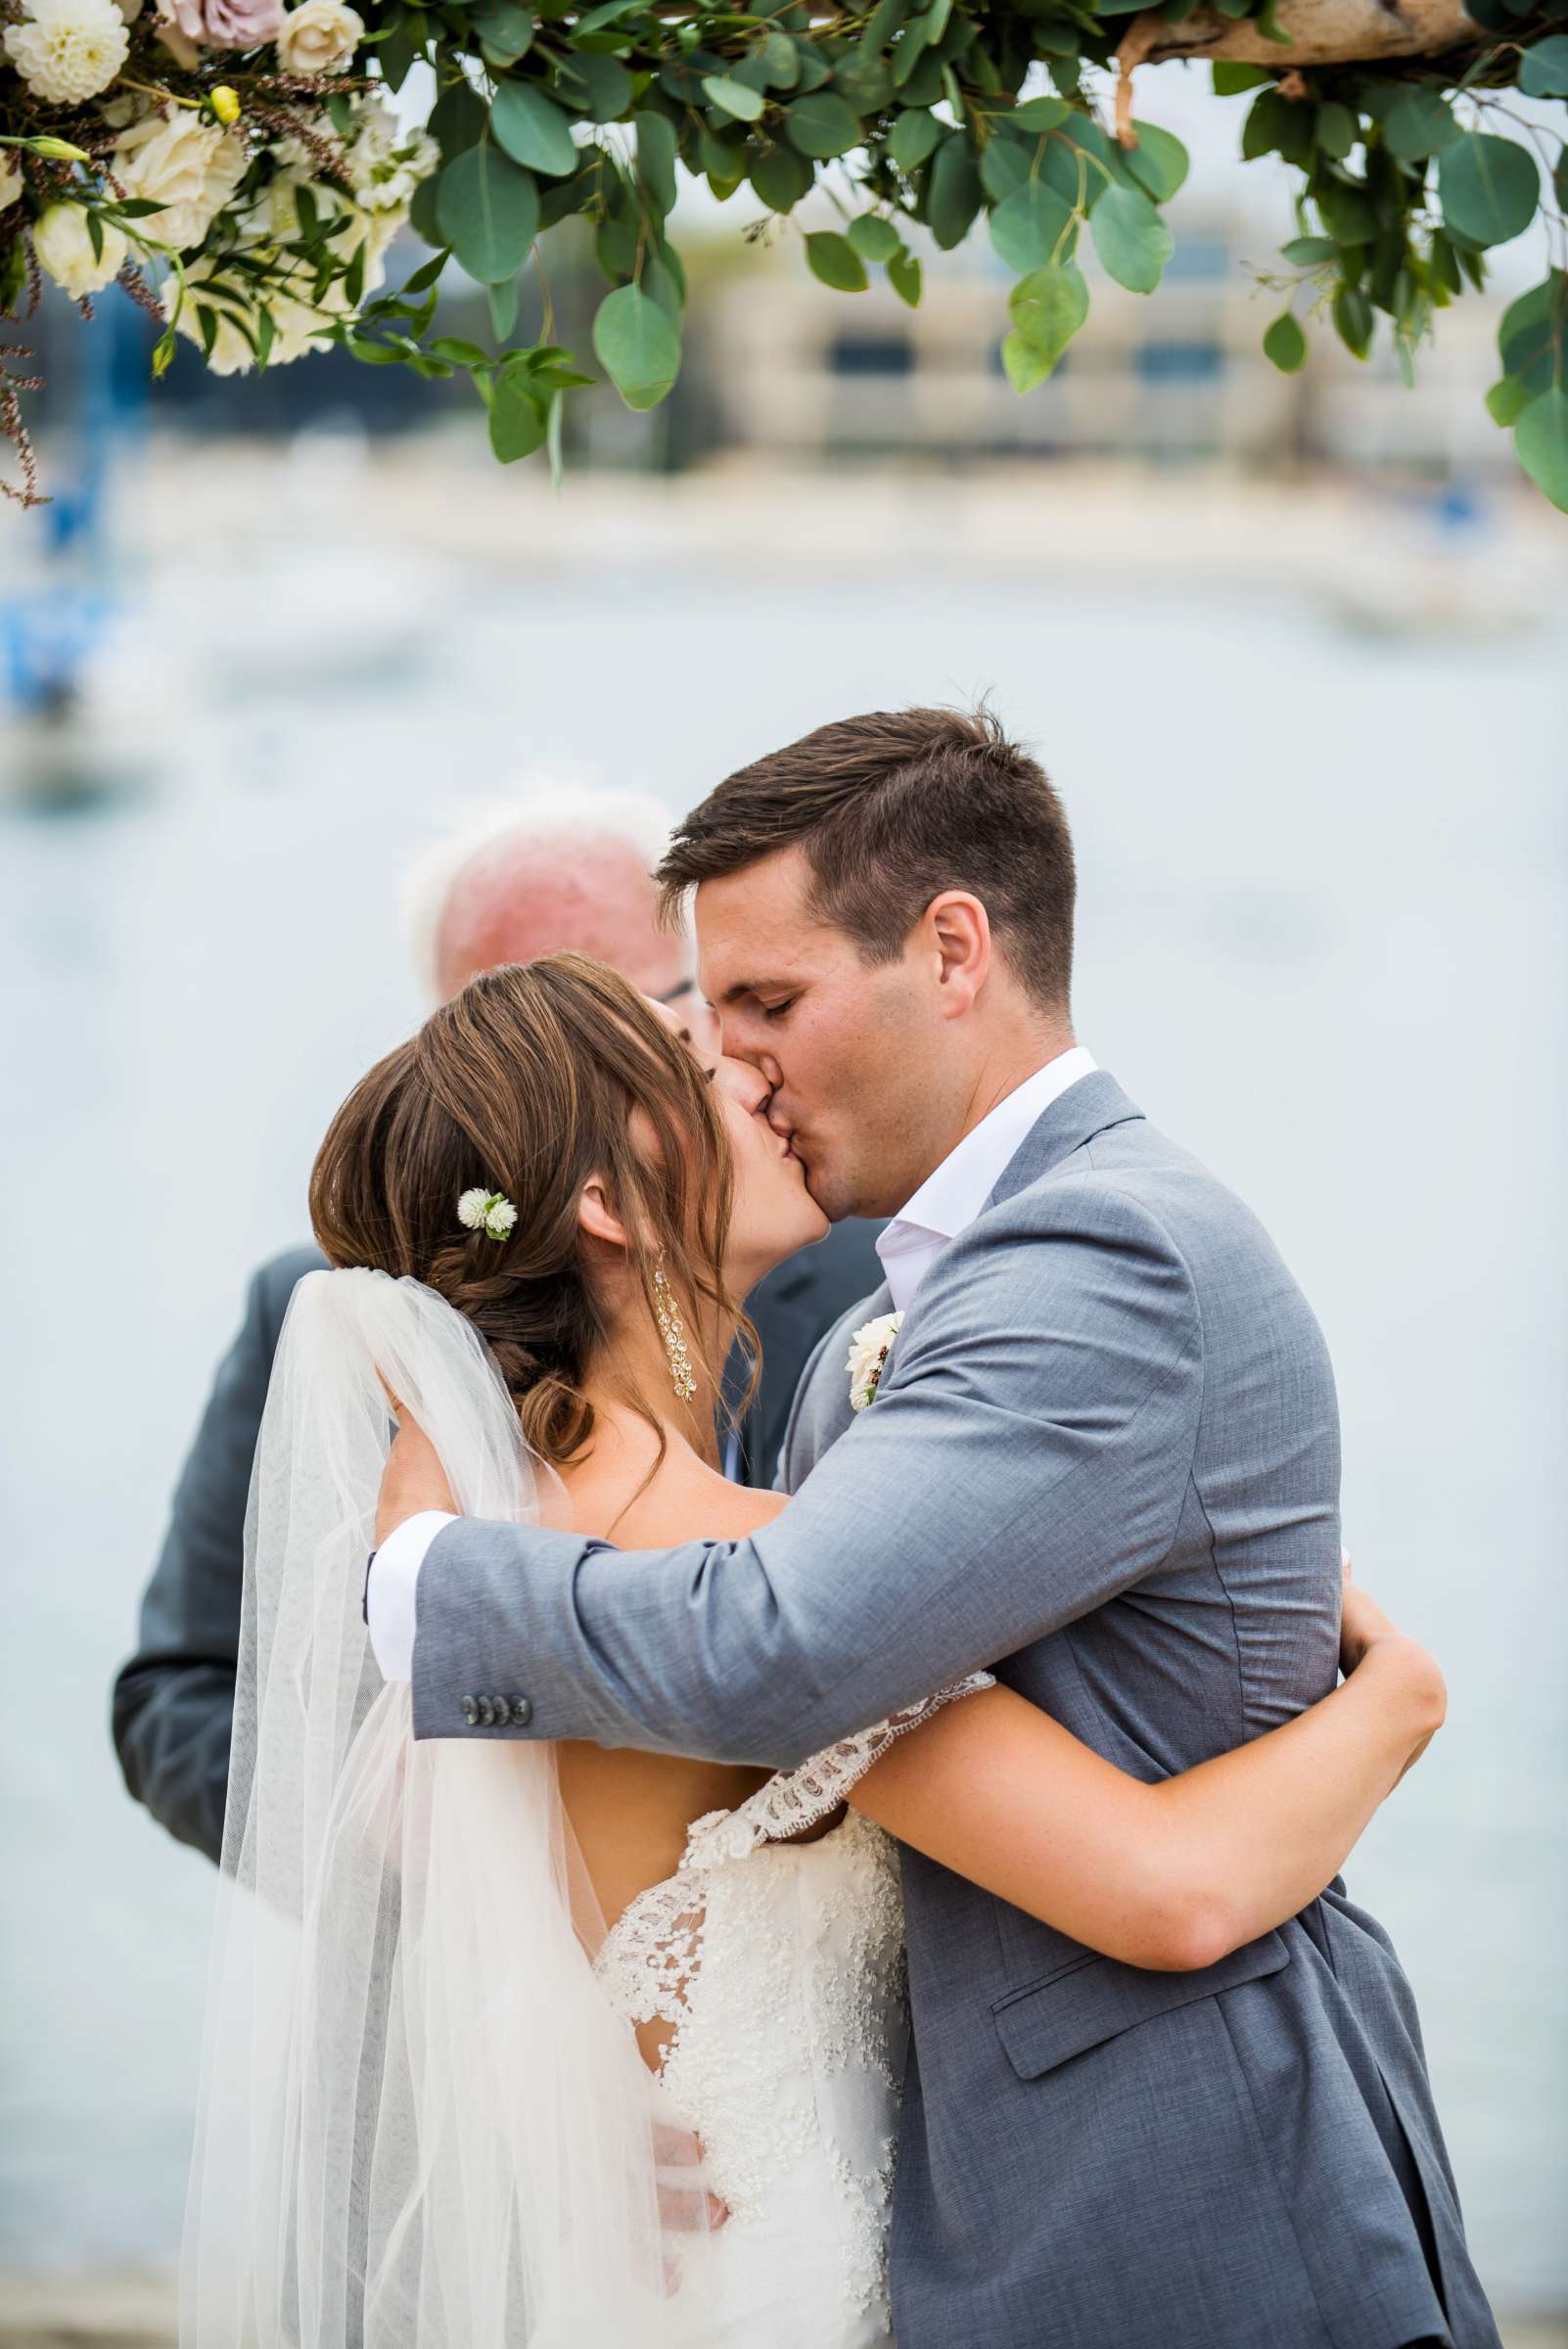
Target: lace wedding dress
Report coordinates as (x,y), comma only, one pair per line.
(779,1965)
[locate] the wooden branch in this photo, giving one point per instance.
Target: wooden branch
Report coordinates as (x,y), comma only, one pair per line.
(1321,33)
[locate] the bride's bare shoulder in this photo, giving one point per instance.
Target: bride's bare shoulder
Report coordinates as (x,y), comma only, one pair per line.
(689,1503)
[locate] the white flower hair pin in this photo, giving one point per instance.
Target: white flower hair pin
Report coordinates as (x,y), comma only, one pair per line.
(489,1212)
(869,1348)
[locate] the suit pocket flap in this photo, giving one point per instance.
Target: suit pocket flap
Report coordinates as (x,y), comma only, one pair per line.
(1092,2001)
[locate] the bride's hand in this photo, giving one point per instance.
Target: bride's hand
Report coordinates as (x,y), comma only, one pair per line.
(1364,1628)
(413,1480)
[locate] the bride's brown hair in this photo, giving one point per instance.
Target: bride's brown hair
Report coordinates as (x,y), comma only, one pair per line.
(526,1084)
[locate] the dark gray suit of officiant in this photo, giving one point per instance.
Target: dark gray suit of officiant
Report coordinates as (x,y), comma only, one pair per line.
(1105,1451)
(173,1702)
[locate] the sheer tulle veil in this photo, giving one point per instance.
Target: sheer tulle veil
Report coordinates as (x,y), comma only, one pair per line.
(419,2121)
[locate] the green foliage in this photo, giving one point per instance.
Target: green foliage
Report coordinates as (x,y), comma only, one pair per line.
(925,120)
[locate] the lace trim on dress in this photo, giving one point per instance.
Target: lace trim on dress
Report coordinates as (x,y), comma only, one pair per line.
(793,1800)
(653,1953)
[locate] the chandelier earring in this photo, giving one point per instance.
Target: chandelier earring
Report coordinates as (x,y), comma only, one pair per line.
(672,1330)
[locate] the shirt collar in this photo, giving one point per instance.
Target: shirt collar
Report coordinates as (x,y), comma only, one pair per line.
(952,1196)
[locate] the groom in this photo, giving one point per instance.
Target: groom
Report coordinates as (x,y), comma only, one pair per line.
(1104,1457)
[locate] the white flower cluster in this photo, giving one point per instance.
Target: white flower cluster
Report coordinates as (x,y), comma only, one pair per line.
(490,1212)
(190,166)
(869,1348)
(69,50)
(385,162)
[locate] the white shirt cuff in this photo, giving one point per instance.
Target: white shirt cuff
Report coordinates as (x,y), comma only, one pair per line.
(390,1591)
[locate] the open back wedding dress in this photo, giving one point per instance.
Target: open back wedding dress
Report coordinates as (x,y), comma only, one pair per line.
(424,2119)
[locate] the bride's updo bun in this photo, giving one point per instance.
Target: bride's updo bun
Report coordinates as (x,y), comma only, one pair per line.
(530,1083)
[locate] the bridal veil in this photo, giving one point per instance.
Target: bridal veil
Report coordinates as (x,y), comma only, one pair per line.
(420,2124)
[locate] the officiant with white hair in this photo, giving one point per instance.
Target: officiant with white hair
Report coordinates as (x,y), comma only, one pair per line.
(562,868)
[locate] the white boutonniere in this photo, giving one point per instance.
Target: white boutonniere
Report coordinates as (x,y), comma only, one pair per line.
(869,1348)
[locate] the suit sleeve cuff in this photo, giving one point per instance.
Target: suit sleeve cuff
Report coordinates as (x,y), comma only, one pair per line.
(390,1588)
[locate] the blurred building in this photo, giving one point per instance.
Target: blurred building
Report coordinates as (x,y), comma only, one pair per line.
(1178,377)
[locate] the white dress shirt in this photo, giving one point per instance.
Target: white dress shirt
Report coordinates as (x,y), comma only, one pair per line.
(948,1200)
(944,1205)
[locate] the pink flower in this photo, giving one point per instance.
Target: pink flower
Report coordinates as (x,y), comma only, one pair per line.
(226,24)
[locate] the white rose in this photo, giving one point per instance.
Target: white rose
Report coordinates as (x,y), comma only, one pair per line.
(10,180)
(319,37)
(868,1348)
(65,249)
(188,165)
(69,50)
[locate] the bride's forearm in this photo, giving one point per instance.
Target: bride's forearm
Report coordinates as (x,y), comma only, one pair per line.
(1256,1834)
(1171,1876)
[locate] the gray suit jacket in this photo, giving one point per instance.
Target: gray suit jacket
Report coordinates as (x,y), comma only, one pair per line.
(173,1702)
(1105,1459)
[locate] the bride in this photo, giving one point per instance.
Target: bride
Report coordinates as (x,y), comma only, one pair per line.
(478,2005)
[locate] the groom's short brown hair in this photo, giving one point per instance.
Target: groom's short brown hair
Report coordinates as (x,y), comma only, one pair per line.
(891,809)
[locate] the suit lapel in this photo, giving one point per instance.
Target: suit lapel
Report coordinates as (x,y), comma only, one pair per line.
(1072,1119)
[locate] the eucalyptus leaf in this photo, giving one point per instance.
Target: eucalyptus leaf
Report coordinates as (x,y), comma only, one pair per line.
(912,138)
(639,346)
(1541,444)
(1284,344)
(655,160)
(1505,398)
(488,208)
(1159,162)
(517,420)
(1346,212)
(781,176)
(874,239)
(905,276)
(1420,122)
(1032,226)
(1023,365)
(1047,308)
(1337,130)
(1131,240)
(724,90)
(505,27)
(821,125)
(779,61)
(1543,68)
(1488,187)
(532,130)
(600,87)
(1309,252)
(457,119)
(502,302)
(1354,320)
(834,259)
(1039,114)
(1004,167)
(954,193)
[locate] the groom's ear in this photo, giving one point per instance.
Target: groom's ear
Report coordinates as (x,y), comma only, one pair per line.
(959,936)
(596,1215)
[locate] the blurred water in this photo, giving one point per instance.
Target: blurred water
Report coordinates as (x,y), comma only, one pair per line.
(1323,941)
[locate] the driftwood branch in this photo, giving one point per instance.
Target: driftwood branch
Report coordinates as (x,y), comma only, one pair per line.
(1320,32)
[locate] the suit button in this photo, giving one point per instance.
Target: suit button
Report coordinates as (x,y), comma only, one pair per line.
(471,1710)
(487,1713)
(522,1712)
